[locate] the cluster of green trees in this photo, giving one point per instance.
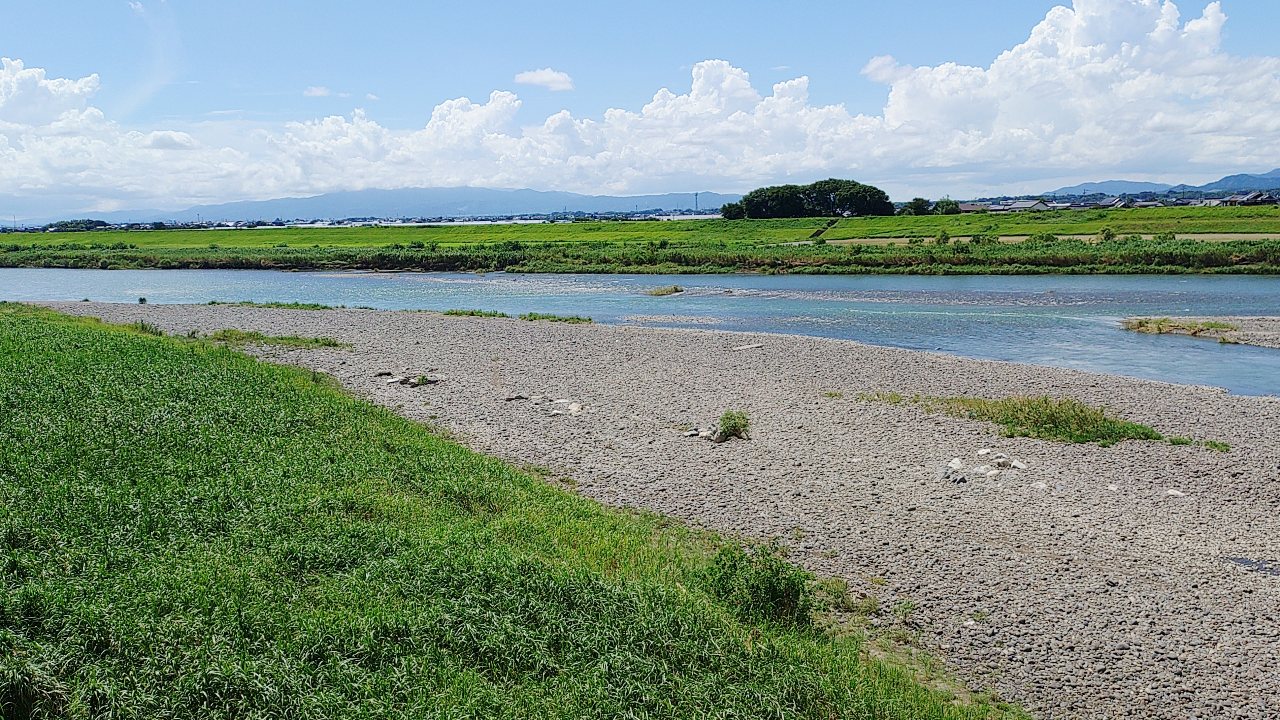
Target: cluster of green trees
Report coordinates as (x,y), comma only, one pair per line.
(825,198)
(922,206)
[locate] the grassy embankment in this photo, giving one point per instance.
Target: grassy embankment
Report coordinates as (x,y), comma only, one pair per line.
(189,532)
(1060,242)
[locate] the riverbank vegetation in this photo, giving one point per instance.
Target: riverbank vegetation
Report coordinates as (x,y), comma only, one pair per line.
(1182,326)
(1120,241)
(1042,417)
(189,532)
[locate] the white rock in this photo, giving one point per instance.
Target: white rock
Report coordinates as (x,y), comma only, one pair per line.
(691,433)
(982,469)
(956,464)
(754,346)
(1018,465)
(984,451)
(993,473)
(575,408)
(1175,493)
(562,401)
(1113,487)
(1040,485)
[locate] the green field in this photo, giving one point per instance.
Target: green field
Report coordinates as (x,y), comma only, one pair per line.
(1141,241)
(189,532)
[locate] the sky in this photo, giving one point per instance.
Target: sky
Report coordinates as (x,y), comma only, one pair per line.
(132,104)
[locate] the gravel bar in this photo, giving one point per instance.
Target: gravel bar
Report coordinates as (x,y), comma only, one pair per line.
(1260,331)
(1140,580)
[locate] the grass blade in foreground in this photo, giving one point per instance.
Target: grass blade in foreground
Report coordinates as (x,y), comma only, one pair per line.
(188,532)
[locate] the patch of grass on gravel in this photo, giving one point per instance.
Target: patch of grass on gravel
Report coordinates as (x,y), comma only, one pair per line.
(189,532)
(572,319)
(477,313)
(664,290)
(231,336)
(1045,418)
(280,305)
(1161,326)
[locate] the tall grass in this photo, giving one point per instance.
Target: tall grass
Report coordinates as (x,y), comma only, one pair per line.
(187,532)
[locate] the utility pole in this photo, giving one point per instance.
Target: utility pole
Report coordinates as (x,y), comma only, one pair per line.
(695,202)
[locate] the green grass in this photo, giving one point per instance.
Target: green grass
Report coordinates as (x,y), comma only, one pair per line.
(477,313)
(1140,241)
(665,290)
(1043,417)
(280,305)
(1179,326)
(571,319)
(231,336)
(189,532)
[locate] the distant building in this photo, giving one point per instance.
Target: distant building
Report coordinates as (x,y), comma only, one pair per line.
(974,207)
(1253,198)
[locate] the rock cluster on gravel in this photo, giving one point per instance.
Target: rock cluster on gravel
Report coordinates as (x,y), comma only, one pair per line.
(1080,581)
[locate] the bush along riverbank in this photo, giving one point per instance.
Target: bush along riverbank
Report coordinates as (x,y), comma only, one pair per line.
(1041,254)
(189,532)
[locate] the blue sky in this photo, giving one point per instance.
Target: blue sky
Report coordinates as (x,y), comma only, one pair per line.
(188,102)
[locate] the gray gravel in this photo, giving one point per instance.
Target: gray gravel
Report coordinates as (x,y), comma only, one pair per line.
(1141,580)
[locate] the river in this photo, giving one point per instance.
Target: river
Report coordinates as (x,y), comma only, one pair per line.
(1063,321)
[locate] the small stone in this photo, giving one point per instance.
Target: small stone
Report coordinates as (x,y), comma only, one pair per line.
(575,408)
(689,433)
(382,373)
(984,452)
(561,401)
(1174,493)
(993,473)
(517,396)
(1040,485)
(397,380)
(1018,465)
(956,464)
(1113,488)
(982,469)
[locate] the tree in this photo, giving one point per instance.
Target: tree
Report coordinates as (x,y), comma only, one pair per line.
(917,206)
(733,211)
(946,206)
(825,198)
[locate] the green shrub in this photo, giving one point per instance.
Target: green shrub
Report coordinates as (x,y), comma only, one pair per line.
(760,585)
(733,424)
(145,328)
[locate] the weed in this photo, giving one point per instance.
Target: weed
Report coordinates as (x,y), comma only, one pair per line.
(145,328)
(1217,446)
(760,585)
(733,424)
(833,394)
(1180,441)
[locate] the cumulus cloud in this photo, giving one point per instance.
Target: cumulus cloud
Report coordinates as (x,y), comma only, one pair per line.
(1099,89)
(317,91)
(553,80)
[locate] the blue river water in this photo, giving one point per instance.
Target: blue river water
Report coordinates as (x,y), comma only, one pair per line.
(1063,321)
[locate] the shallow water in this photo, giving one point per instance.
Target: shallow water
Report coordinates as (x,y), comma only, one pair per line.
(1064,321)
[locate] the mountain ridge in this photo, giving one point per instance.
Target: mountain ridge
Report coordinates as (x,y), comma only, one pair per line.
(457,202)
(1242,182)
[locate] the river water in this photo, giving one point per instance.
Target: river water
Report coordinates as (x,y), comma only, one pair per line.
(1063,321)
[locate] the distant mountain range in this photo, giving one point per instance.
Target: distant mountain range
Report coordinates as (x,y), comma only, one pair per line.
(422,202)
(1231,183)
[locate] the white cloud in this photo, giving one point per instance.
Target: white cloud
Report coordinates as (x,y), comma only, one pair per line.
(317,91)
(1105,88)
(136,6)
(371,97)
(553,80)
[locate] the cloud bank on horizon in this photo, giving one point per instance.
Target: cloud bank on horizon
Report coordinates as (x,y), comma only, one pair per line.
(1101,88)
